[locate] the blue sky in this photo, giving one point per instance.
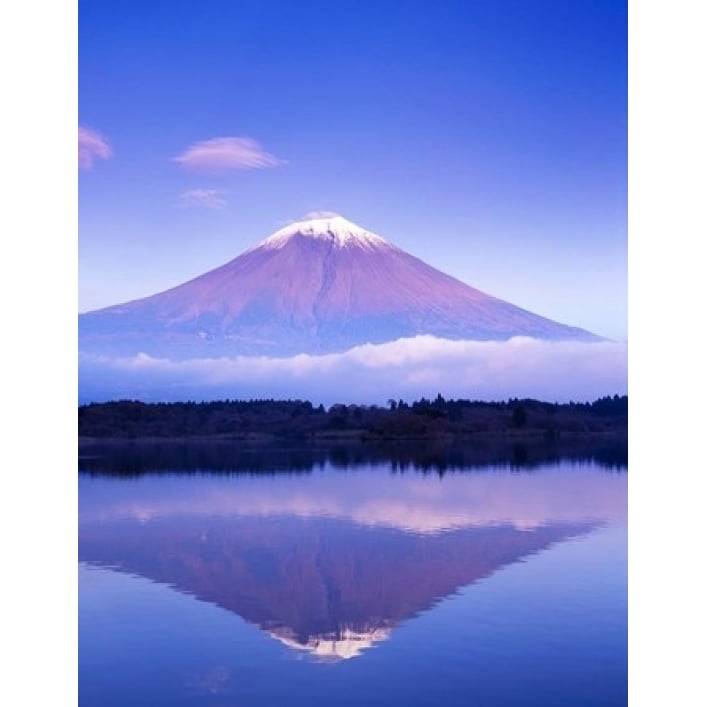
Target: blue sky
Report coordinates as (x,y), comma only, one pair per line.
(487,138)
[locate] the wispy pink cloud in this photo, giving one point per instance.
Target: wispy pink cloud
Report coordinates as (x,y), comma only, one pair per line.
(207,198)
(92,145)
(222,154)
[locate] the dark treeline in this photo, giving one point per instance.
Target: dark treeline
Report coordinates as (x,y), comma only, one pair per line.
(520,420)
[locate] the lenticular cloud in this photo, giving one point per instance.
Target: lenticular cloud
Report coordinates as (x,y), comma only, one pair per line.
(222,154)
(371,374)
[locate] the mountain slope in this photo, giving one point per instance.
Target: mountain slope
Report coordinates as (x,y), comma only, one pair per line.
(316,286)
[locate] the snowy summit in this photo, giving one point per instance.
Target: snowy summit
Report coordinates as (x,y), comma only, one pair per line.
(328,227)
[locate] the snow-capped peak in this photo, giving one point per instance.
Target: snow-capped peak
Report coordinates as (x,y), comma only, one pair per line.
(328,227)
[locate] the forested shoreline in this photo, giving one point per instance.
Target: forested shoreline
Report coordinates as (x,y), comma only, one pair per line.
(522,419)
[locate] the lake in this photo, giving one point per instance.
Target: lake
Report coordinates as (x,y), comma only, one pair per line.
(302,580)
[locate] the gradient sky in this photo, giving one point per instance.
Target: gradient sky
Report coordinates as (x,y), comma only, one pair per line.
(486,137)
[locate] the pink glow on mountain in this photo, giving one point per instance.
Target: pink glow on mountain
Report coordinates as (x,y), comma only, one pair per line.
(322,284)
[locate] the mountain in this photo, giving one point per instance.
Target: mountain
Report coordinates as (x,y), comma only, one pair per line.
(316,286)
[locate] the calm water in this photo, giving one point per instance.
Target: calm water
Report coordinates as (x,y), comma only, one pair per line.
(365,586)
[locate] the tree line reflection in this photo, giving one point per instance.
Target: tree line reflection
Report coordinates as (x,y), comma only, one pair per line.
(440,457)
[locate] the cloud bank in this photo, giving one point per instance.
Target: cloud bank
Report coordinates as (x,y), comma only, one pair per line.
(223,154)
(92,146)
(371,374)
(206,198)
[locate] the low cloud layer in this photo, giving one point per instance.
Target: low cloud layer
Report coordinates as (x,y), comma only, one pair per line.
(205,198)
(371,374)
(92,146)
(223,154)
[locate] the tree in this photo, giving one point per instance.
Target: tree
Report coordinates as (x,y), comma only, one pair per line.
(519,416)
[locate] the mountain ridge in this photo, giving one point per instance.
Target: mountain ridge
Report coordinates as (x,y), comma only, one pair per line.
(317,286)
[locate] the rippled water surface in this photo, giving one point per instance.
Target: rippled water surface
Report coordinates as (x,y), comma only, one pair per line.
(366,586)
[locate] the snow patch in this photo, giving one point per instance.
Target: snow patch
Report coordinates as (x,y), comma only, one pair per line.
(330,227)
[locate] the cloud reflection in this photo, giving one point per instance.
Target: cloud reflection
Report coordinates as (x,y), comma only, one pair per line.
(369,497)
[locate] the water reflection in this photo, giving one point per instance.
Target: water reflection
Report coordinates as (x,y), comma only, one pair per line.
(140,457)
(330,563)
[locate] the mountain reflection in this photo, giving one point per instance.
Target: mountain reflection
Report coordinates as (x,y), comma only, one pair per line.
(331,563)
